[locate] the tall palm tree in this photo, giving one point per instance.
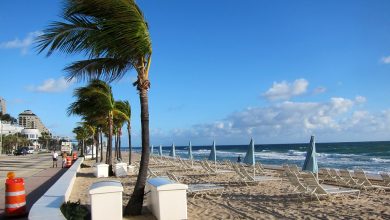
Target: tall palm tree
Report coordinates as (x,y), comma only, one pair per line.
(82,133)
(125,107)
(96,101)
(114,35)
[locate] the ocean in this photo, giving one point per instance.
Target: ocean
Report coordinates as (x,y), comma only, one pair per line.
(370,156)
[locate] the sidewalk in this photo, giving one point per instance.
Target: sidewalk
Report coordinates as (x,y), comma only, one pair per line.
(35,185)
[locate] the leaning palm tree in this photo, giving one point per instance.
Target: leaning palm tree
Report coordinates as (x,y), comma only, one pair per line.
(96,101)
(125,107)
(115,37)
(82,134)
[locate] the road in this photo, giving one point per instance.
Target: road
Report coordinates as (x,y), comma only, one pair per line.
(37,171)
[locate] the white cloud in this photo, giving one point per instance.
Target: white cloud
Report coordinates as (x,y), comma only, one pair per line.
(285,90)
(360,99)
(385,60)
(52,85)
(22,44)
(335,120)
(319,90)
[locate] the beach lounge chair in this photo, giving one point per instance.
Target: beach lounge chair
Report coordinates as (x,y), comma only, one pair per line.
(258,178)
(317,190)
(365,183)
(261,170)
(349,180)
(327,175)
(386,178)
(199,188)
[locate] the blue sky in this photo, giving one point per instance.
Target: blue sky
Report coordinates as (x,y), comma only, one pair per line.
(277,71)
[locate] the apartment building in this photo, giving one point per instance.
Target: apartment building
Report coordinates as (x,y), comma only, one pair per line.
(29,120)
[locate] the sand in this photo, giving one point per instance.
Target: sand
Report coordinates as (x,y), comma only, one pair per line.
(268,200)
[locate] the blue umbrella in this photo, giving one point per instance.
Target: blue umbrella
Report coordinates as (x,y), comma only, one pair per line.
(213,153)
(250,154)
(190,151)
(160,150)
(172,153)
(311,158)
(151,151)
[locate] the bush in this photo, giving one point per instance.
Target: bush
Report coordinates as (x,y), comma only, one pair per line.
(84,166)
(75,211)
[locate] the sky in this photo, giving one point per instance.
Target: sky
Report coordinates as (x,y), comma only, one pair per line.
(224,70)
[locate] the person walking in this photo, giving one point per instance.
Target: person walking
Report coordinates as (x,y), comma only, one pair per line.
(64,159)
(55,155)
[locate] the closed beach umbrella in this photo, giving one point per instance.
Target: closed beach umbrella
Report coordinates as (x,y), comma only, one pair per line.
(250,154)
(160,150)
(190,151)
(213,153)
(151,151)
(172,153)
(311,158)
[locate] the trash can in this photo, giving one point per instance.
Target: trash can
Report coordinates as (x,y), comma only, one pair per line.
(120,169)
(106,200)
(166,199)
(101,170)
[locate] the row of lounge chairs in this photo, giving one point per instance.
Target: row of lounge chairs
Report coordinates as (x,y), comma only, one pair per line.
(359,179)
(306,184)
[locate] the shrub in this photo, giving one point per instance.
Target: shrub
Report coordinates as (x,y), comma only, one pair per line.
(75,211)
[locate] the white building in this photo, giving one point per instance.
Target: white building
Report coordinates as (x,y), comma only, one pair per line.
(6,128)
(33,135)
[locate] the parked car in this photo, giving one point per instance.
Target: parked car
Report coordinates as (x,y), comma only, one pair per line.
(30,150)
(21,151)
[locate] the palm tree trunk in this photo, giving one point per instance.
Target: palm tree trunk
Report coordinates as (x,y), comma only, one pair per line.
(109,144)
(93,144)
(119,144)
(97,144)
(101,145)
(134,207)
(116,145)
(129,134)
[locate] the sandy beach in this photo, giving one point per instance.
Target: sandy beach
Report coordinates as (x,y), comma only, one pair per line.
(267,200)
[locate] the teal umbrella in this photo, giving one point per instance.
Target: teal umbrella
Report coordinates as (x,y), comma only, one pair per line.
(213,153)
(311,158)
(152,148)
(160,150)
(190,151)
(172,153)
(250,154)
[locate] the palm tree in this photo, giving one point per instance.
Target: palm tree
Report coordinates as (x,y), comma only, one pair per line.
(96,101)
(115,37)
(125,107)
(81,135)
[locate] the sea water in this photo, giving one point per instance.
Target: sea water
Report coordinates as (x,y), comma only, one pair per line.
(370,156)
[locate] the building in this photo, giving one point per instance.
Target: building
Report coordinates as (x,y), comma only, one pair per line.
(29,120)
(6,128)
(3,108)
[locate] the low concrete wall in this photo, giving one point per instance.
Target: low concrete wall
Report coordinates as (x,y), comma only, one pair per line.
(48,206)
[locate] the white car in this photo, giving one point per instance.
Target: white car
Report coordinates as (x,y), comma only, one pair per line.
(30,150)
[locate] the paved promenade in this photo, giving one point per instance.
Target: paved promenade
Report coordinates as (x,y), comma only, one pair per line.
(36,171)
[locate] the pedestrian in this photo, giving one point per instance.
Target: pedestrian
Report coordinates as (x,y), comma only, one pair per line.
(55,155)
(239,159)
(63,159)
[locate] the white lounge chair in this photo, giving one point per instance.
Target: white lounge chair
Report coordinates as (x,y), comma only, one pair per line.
(365,183)
(199,188)
(386,178)
(318,190)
